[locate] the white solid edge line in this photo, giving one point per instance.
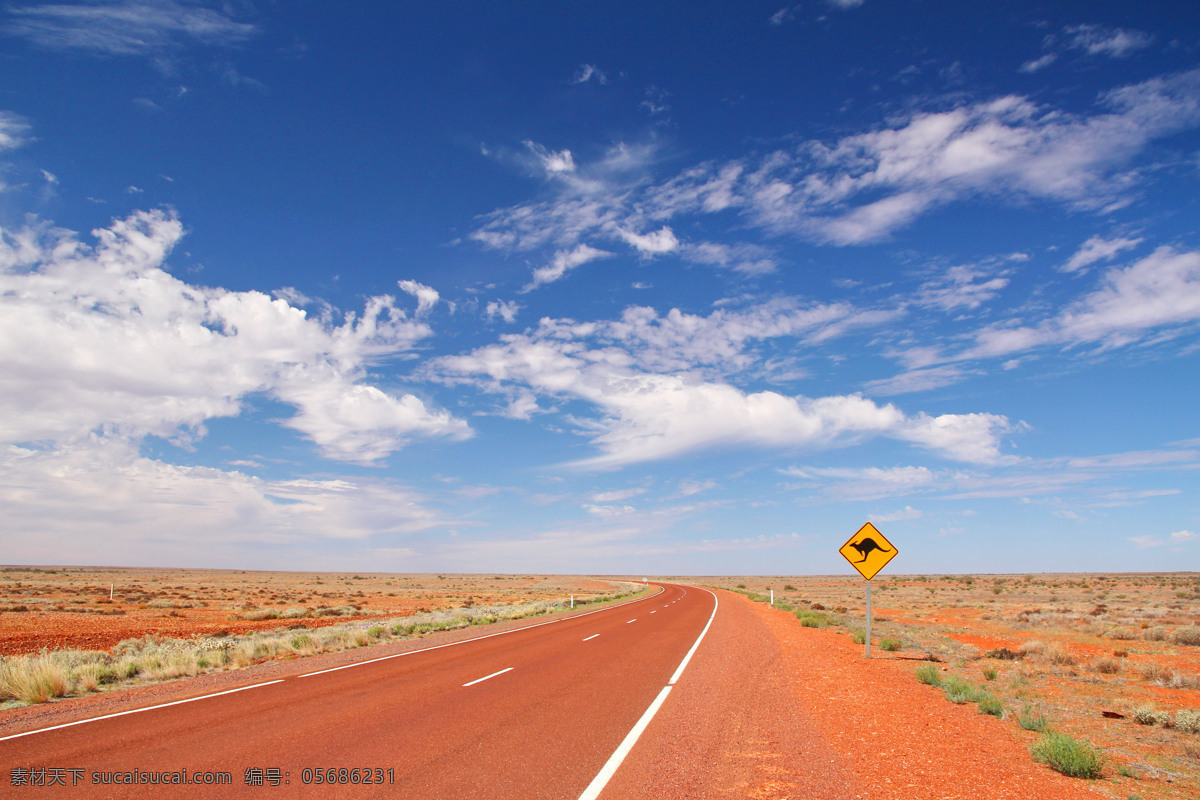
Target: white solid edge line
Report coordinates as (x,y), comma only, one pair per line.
(477,638)
(487,677)
(593,636)
(138,710)
(614,761)
(601,780)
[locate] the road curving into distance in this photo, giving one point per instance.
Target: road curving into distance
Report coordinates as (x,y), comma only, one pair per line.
(545,711)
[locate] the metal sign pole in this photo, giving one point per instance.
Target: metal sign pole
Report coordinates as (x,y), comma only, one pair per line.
(868,637)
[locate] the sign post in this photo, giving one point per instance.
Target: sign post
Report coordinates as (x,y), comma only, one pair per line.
(868,551)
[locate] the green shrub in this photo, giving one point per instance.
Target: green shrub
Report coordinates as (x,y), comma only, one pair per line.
(929,674)
(812,619)
(959,691)
(1031,721)
(891,645)
(1071,757)
(991,705)
(859,636)
(990,673)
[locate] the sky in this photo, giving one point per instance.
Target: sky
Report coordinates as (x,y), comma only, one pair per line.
(606,288)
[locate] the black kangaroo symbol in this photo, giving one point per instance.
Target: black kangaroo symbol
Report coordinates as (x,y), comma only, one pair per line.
(865,547)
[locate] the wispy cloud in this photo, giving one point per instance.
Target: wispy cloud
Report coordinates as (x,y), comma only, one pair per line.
(863,187)
(1104,41)
(125,28)
(1096,249)
(1159,290)
(588,72)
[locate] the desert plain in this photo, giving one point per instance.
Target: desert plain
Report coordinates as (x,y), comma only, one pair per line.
(1111,660)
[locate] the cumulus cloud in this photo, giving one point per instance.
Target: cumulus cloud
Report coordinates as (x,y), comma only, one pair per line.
(646,416)
(504,309)
(125,28)
(427,296)
(652,244)
(156,513)
(102,339)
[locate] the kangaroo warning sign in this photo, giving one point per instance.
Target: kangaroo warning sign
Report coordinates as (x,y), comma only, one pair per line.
(868,551)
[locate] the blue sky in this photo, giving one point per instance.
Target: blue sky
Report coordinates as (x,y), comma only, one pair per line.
(615,288)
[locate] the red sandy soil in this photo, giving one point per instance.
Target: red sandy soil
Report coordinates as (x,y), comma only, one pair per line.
(902,738)
(211,601)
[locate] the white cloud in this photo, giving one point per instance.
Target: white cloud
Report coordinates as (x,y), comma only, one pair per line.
(863,187)
(907,513)
(748,259)
(652,244)
(553,162)
(615,496)
(153,513)
(13,130)
(1184,536)
(864,483)
(1096,249)
(563,261)
(1038,64)
(958,288)
(101,338)
(587,72)
(785,14)
(845,4)
(1160,290)
(504,309)
(125,28)
(1112,42)
(917,380)
(646,416)
(427,297)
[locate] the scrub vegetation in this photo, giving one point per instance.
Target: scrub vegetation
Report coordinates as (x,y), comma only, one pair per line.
(1101,672)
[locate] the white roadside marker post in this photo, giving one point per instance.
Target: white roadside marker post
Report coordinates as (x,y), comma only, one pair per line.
(572,601)
(772,597)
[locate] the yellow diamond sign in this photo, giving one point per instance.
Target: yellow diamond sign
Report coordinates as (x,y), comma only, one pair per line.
(868,551)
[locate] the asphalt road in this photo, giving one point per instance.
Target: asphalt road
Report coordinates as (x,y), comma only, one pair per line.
(533,713)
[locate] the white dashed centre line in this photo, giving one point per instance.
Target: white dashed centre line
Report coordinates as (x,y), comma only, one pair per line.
(632,620)
(486,677)
(593,636)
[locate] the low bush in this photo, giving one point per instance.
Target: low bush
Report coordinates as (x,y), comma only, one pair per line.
(812,619)
(859,636)
(929,674)
(1189,635)
(1032,721)
(959,691)
(1070,756)
(991,705)
(891,645)
(1188,721)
